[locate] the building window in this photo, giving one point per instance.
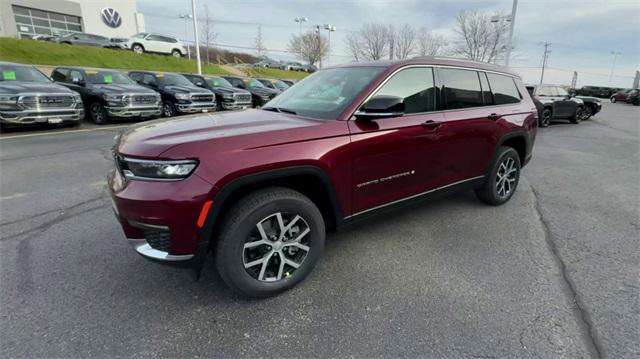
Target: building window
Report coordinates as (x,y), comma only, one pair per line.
(46,22)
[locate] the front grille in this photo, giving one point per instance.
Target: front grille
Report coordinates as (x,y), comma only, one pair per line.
(144,99)
(48,101)
(159,239)
(202,98)
(243,97)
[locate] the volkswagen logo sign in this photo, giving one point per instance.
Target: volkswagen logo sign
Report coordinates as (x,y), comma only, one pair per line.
(111,17)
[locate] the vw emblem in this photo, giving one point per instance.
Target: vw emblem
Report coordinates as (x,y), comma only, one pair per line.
(111,17)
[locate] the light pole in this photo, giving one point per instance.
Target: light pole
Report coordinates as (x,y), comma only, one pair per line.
(300,20)
(195,35)
(186,18)
(613,66)
(512,23)
(331,29)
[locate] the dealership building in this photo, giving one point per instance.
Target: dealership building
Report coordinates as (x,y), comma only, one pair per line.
(110,18)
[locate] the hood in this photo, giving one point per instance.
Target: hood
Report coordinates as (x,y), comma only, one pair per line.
(223,90)
(588,98)
(152,138)
(173,88)
(16,87)
(264,91)
(119,88)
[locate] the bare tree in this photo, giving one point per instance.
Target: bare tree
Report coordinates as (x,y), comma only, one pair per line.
(208,35)
(405,42)
(481,39)
(370,42)
(259,42)
(430,44)
(310,46)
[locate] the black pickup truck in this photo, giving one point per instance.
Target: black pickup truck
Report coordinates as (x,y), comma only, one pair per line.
(260,93)
(27,96)
(109,94)
(179,95)
(227,96)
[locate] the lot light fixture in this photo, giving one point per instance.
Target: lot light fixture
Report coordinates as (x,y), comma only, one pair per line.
(300,20)
(186,18)
(331,29)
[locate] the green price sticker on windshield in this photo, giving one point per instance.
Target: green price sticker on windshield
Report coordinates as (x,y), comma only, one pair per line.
(9,75)
(216,83)
(108,79)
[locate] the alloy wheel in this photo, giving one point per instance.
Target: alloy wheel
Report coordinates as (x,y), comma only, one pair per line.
(277,247)
(546,118)
(586,113)
(96,113)
(613,100)
(506,177)
(166,110)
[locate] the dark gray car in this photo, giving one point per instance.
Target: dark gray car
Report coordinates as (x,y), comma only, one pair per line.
(81,38)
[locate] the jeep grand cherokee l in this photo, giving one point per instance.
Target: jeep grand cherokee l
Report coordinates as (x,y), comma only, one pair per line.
(27,96)
(179,95)
(260,188)
(109,94)
(227,96)
(558,104)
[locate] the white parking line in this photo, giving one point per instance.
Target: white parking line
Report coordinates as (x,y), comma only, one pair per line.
(14,196)
(63,132)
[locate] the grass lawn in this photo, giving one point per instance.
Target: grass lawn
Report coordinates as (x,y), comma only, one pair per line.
(46,53)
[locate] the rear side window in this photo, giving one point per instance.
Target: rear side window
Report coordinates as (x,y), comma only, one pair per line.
(504,89)
(415,86)
(460,88)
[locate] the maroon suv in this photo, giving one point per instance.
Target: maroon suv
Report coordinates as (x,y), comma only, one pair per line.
(261,188)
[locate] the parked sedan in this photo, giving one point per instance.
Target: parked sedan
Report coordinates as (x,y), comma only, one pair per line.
(84,39)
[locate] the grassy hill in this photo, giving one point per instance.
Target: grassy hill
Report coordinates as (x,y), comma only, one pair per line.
(46,53)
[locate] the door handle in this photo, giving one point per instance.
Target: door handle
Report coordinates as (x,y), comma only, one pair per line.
(431,124)
(494,117)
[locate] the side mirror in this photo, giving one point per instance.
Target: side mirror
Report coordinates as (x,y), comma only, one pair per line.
(77,81)
(199,84)
(381,107)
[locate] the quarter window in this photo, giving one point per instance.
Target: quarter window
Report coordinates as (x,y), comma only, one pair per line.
(504,89)
(460,88)
(415,86)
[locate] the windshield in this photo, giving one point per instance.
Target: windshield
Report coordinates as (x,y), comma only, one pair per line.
(21,73)
(325,94)
(252,83)
(281,85)
(218,82)
(173,80)
(107,77)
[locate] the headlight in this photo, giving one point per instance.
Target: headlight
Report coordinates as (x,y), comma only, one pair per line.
(8,102)
(156,170)
(113,98)
(227,95)
(182,96)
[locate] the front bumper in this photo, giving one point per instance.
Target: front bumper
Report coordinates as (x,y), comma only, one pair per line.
(159,219)
(31,117)
(134,111)
(196,107)
(234,105)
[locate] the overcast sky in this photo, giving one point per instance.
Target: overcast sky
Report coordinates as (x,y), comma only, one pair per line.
(583,33)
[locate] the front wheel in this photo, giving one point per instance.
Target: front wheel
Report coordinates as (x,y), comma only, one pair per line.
(612,99)
(545,118)
(168,109)
(587,113)
(176,53)
(137,48)
(577,117)
(502,180)
(98,113)
(269,241)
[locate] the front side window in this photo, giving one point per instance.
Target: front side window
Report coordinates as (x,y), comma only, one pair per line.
(75,76)
(415,86)
(325,94)
(504,89)
(21,73)
(460,88)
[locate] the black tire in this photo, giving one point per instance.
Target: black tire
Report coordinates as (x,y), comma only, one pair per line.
(137,48)
(577,117)
(219,105)
(545,117)
(176,53)
(587,113)
(241,226)
(98,114)
(635,101)
(168,109)
(489,192)
(612,99)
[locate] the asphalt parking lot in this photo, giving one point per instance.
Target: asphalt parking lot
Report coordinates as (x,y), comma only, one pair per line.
(553,273)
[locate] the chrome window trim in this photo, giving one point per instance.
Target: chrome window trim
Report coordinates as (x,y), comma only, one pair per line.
(413,196)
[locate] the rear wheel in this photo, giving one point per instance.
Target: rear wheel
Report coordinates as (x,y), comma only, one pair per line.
(269,241)
(98,113)
(502,179)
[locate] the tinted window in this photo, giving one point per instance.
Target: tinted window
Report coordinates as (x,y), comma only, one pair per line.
(149,79)
(218,82)
(561,91)
(60,75)
(107,77)
(504,89)
(415,86)
(235,81)
(135,76)
(546,91)
(461,88)
(154,38)
(75,76)
(21,73)
(486,90)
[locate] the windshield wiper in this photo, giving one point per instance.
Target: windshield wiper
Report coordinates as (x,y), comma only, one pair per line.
(279,109)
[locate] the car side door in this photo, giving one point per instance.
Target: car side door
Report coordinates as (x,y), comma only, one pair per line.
(563,105)
(153,43)
(397,157)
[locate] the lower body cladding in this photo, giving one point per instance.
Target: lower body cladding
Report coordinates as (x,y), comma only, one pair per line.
(152,225)
(52,117)
(142,112)
(196,107)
